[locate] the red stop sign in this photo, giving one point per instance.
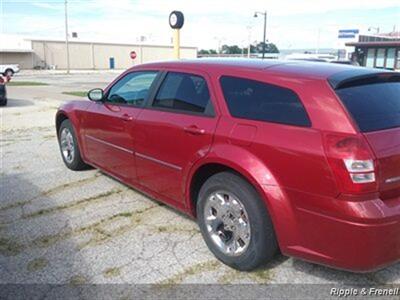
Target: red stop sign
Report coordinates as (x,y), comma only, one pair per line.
(133,54)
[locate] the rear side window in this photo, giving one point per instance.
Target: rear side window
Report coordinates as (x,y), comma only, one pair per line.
(254,100)
(183,92)
(373,106)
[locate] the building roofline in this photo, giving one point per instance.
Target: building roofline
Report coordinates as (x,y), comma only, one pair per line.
(16,50)
(375,44)
(72,41)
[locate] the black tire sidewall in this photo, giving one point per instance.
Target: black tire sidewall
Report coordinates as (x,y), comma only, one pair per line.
(263,245)
(77,163)
(180,19)
(9,72)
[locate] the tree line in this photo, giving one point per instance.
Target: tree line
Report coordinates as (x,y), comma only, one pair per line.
(235,49)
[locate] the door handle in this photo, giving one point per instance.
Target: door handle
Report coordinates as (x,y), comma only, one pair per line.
(194,130)
(126,117)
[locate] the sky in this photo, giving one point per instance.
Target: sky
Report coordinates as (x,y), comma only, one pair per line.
(208,23)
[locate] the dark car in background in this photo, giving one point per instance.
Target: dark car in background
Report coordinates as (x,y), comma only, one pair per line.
(3,94)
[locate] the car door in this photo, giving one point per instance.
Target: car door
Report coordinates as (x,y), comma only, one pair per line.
(174,130)
(110,124)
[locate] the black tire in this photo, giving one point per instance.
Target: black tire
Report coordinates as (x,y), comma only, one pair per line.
(77,163)
(3,102)
(180,19)
(263,245)
(9,72)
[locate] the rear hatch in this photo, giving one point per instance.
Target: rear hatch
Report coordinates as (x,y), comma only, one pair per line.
(373,100)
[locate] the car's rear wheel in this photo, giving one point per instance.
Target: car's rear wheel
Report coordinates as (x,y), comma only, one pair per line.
(9,72)
(235,223)
(69,147)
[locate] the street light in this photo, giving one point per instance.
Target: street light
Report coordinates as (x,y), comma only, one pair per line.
(265,28)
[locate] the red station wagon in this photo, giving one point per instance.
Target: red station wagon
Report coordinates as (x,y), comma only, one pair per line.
(266,155)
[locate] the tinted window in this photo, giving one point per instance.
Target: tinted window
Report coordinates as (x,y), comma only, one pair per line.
(183,92)
(250,99)
(132,89)
(373,106)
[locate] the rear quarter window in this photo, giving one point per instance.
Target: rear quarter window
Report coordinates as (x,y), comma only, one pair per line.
(374,106)
(255,100)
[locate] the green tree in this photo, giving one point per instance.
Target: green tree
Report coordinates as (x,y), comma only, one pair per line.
(269,48)
(253,49)
(235,49)
(206,52)
(203,51)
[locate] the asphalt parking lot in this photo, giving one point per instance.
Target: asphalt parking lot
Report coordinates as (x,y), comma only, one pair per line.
(60,226)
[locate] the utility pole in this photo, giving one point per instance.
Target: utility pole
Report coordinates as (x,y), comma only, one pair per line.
(66,34)
(249,41)
(265,29)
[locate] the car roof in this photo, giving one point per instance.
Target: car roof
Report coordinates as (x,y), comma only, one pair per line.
(316,70)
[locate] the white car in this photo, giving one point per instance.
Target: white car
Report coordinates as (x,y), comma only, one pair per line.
(9,70)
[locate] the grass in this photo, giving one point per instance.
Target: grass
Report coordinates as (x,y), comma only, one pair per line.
(112,272)
(76,93)
(9,247)
(37,264)
(26,83)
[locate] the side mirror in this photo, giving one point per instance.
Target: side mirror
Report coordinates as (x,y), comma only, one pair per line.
(96,95)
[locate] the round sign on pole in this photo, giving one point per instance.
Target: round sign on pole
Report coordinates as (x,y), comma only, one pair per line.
(133,54)
(176,19)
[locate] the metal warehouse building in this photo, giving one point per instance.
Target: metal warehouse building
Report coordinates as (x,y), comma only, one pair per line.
(44,54)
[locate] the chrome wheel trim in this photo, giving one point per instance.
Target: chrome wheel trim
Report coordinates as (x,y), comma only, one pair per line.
(67,145)
(227,223)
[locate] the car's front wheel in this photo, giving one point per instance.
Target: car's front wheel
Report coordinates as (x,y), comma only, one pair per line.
(234,222)
(69,147)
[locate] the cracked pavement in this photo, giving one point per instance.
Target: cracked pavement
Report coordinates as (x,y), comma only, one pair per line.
(60,226)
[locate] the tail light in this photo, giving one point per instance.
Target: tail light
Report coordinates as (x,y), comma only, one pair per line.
(352,162)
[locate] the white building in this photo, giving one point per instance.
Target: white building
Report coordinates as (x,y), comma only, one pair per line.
(32,53)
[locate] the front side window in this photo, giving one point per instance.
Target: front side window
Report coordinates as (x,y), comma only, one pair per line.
(132,89)
(183,92)
(255,100)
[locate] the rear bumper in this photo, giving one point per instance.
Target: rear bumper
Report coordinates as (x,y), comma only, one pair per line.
(356,236)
